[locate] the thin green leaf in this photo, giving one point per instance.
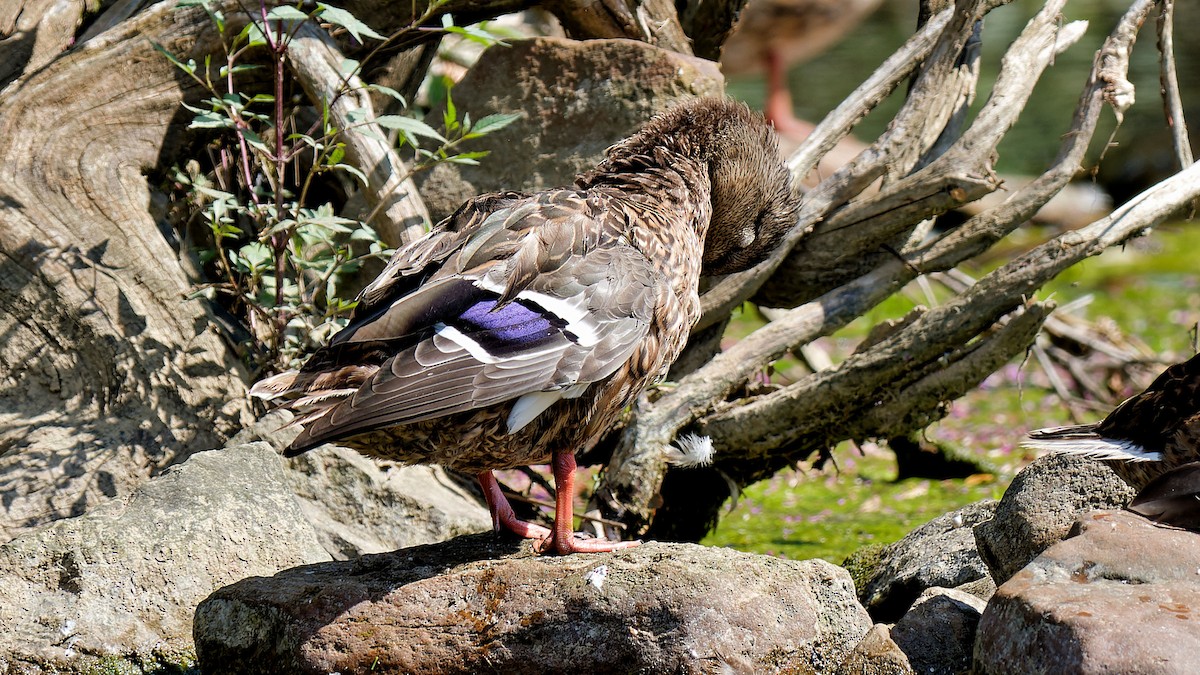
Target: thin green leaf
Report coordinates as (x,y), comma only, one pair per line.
(364,233)
(340,17)
(286,13)
(206,119)
(492,123)
(408,125)
(255,141)
(388,91)
(354,171)
(478,33)
(305,139)
(476,154)
(189,67)
(450,117)
(253,34)
(240,68)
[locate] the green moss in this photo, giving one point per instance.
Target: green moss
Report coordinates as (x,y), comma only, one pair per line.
(175,662)
(863,563)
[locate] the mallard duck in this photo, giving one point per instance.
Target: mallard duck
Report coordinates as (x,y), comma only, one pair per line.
(520,327)
(1147,435)
(772,35)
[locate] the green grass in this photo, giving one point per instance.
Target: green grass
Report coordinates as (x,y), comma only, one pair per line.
(829,514)
(1150,290)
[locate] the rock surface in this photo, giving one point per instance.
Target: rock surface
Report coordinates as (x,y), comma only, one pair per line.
(358,505)
(938,633)
(576,99)
(940,553)
(1120,597)
(485,602)
(1040,506)
(876,654)
(117,587)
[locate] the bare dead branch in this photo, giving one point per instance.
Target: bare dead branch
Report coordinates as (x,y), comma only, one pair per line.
(901,382)
(652,21)
(401,214)
(1169,82)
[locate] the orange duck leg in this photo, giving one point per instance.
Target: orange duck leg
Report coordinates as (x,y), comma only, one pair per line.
(562,539)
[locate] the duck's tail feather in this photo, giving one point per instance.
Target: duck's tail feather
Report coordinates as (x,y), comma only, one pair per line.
(275,386)
(1083,440)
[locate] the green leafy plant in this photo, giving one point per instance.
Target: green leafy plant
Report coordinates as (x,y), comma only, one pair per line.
(271,238)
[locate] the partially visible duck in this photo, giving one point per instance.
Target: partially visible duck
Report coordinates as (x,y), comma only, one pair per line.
(1172,498)
(518,329)
(1147,435)
(773,35)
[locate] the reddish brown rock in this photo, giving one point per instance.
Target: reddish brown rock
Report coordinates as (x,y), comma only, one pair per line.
(1122,596)
(485,603)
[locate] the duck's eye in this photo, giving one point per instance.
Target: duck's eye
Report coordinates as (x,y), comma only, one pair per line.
(747,238)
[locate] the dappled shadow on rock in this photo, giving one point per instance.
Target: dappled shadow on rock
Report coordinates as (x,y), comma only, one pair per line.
(486,603)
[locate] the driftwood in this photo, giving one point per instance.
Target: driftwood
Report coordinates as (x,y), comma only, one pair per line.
(873,247)
(107,374)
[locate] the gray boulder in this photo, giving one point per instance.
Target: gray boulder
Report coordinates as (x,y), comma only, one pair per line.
(1039,507)
(485,602)
(940,553)
(938,633)
(117,588)
(1120,597)
(359,505)
(576,98)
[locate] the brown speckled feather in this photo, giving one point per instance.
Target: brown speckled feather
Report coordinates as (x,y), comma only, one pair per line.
(524,323)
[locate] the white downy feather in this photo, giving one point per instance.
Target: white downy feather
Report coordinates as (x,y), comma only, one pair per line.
(690,451)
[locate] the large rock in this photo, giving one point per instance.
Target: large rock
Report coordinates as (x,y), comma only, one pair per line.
(485,603)
(876,654)
(359,505)
(940,553)
(1121,597)
(938,633)
(575,98)
(1039,507)
(117,587)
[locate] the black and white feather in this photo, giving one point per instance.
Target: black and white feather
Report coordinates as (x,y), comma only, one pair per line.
(1083,440)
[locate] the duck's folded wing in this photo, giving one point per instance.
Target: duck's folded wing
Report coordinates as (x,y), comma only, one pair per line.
(562,331)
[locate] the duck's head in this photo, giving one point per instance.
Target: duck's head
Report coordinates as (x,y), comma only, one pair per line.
(753,204)
(750,188)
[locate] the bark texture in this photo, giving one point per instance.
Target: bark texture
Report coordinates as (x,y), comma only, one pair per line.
(108,372)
